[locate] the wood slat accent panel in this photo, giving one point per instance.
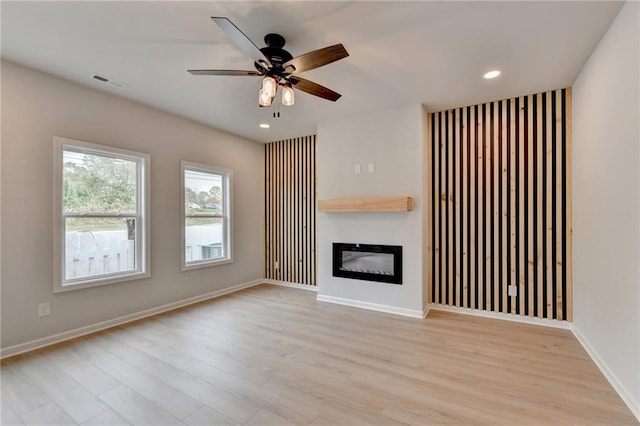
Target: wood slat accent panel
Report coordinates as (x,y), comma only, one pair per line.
(500,210)
(365,204)
(290,210)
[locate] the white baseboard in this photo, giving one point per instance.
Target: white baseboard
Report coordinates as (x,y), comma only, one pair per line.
(425,311)
(623,392)
(290,284)
(414,313)
(502,316)
(82,331)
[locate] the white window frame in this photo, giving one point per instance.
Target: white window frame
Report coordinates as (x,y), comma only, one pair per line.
(227,200)
(143,165)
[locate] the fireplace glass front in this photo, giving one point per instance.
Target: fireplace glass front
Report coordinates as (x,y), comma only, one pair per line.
(370,262)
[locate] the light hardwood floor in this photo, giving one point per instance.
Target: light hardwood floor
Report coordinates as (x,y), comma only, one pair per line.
(275,356)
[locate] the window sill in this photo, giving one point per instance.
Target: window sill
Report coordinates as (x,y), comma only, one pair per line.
(100,282)
(206,264)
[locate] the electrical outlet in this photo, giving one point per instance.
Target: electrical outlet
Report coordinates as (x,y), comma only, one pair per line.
(513,290)
(276,265)
(356,169)
(44,309)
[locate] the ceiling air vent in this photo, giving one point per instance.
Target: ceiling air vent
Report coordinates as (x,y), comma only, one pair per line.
(100,78)
(109,82)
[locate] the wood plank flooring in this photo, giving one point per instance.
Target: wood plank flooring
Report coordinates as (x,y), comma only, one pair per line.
(275,356)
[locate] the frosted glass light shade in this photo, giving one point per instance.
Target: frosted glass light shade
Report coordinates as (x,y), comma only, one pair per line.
(269,86)
(288,97)
(264,100)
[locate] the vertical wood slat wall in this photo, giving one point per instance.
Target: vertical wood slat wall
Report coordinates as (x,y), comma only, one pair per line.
(500,188)
(290,210)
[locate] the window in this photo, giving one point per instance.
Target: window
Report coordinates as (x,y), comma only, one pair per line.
(101,204)
(206,215)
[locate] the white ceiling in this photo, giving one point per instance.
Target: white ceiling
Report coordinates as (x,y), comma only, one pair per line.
(401,53)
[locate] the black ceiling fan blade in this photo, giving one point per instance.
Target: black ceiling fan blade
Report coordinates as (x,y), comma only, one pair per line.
(314,88)
(316,59)
(242,41)
(224,72)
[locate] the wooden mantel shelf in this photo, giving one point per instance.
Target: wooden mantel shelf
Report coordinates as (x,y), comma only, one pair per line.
(368,204)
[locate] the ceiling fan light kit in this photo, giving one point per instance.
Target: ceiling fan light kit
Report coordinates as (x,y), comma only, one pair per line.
(264,100)
(277,66)
(288,97)
(269,86)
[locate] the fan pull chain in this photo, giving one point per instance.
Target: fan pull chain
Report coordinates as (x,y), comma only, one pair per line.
(276,110)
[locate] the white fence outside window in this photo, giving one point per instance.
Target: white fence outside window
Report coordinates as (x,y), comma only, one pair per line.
(91,253)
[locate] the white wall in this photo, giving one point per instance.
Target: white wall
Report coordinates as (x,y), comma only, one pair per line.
(606,214)
(35,108)
(392,140)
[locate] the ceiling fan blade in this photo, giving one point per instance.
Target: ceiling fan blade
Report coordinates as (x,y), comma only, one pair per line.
(242,41)
(224,72)
(313,88)
(316,59)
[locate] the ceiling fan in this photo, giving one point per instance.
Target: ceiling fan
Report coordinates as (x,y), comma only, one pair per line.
(278,67)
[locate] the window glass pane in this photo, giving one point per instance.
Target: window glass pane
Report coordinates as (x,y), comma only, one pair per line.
(203,193)
(98,184)
(99,246)
(203,239)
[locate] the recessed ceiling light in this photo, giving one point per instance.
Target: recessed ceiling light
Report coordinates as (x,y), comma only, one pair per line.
(492,74)
(264,125)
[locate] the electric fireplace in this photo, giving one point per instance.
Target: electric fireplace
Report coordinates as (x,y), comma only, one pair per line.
(369,262)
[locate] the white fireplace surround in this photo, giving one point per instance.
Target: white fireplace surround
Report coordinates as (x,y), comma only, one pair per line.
(392,142)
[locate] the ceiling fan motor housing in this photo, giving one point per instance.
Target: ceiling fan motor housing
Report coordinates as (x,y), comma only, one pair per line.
(276,54)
